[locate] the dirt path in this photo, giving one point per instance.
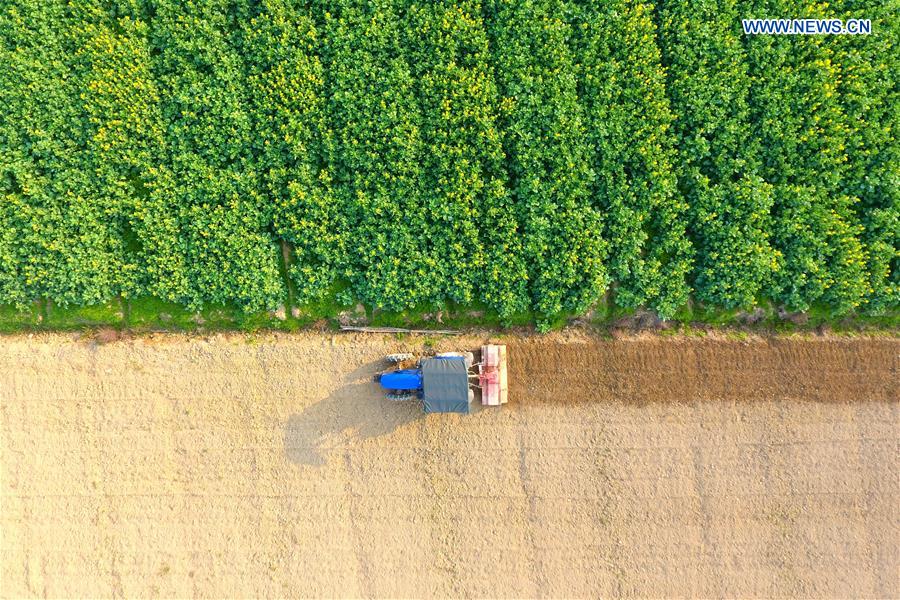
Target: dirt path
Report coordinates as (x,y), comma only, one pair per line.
(232,467)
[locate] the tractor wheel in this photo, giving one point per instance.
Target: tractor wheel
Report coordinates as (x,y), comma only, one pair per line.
(399,357)
(401,396)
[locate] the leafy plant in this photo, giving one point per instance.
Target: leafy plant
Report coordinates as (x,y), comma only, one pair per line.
(729,203)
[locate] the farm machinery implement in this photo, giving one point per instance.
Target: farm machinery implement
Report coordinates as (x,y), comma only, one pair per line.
(448,381)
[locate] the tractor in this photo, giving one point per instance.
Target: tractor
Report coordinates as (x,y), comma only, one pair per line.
(447,382)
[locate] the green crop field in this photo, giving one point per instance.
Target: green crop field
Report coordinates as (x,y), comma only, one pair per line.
(512,157)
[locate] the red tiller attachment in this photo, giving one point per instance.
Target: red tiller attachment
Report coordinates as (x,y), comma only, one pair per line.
(492,376)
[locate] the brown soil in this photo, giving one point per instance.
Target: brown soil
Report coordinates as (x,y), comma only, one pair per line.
(271,466)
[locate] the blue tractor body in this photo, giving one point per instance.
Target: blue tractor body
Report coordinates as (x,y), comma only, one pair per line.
(404,379)
(441,382)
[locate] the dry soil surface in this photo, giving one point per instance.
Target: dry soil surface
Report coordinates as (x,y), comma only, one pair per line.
(233,466)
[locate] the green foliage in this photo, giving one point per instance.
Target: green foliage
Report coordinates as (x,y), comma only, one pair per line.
(285,85)
(869,96)
(472,213)
(729,203)
(125,143)
(628,120)
(802,128)
(67,241)
(549,159)
(519,156)
(209,177)
(374,151)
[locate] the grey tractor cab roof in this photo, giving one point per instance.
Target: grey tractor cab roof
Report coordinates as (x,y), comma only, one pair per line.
(446,385)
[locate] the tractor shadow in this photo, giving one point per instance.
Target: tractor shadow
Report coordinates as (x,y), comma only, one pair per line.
(354,412)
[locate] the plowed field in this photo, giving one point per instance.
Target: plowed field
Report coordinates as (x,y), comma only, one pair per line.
(231,466)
